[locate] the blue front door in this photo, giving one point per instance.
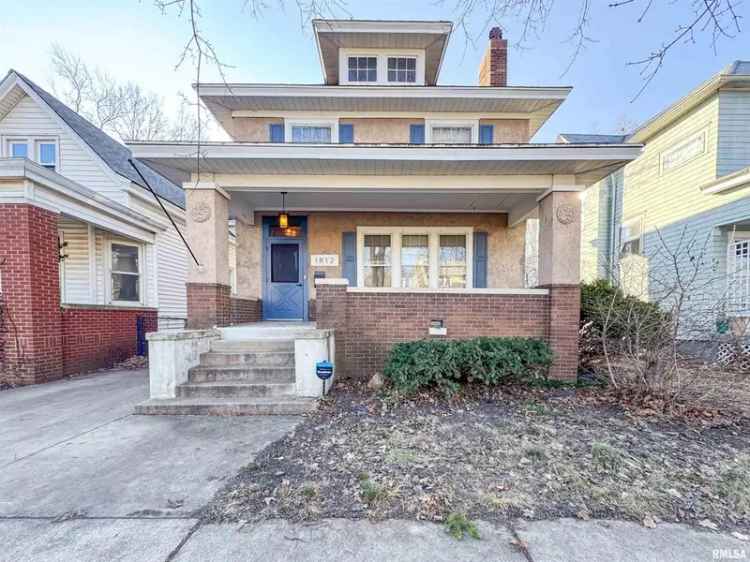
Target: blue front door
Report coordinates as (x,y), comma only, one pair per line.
(284,294)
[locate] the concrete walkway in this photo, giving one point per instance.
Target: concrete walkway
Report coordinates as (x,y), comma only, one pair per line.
(83,479)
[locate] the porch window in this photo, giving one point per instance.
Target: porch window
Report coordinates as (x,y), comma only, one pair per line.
(126,277)
(453,256)
(415,261)
(376,263)
(311,134)
(631,237)
(423,257)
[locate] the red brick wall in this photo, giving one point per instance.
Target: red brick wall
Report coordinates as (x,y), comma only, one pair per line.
(245,310)
(565,307)
(208,304)
(368,324)
(96,337)
(29,261)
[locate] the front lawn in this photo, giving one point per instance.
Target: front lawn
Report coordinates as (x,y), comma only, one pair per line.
(497,455)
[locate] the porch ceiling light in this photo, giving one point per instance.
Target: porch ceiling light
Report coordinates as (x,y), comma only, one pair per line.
(283,217)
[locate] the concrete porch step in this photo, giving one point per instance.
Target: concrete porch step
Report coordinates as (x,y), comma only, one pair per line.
(234,390)
(266,345)
(241,374)
(226,406)
(248,359)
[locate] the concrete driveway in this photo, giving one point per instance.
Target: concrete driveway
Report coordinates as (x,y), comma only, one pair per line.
(82,478)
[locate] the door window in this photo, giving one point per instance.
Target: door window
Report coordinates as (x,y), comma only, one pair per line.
(284,263)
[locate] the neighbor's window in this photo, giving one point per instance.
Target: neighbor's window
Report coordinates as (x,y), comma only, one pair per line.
(415,261)
(683,152)
(376,262)
(451,135)
(738,274)
(125,273)
(47,154)
(402,69)
(631,237)
(311,134)
(18,149)
(452,261)
(363,69)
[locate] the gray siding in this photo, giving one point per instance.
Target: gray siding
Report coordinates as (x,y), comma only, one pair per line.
(734,131)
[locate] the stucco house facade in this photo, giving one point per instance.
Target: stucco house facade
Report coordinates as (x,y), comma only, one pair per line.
(687,193)
(383,206)
(89,262)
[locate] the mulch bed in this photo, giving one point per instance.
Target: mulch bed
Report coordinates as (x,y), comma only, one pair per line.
(497,455)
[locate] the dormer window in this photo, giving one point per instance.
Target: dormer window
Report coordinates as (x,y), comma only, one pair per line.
(18,149)
(363,69)
(47,154)
(41,150)
(402,69)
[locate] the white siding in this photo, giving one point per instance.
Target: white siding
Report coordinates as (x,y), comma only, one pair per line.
(734,131)
(27,119)
(75,268)
(171,261)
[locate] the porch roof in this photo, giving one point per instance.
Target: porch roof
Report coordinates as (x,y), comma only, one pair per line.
(587,163)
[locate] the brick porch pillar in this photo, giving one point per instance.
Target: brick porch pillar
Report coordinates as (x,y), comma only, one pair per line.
(559,272)
(208,290)
(31,323)
(331,313)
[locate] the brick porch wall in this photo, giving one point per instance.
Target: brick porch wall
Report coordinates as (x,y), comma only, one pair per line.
(245,310)
(367,324)
(208,304)
(96,337)
(30,336)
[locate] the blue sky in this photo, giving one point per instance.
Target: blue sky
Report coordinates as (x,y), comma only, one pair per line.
(133,41)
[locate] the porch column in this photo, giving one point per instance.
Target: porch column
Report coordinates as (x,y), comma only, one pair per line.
(559,272)
(208,290)
(247,306)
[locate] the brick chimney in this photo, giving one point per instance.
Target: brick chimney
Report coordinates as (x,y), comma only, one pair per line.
(494,68)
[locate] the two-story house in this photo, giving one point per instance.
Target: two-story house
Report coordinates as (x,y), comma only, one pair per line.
(89,261)
(384,205)
(687,195)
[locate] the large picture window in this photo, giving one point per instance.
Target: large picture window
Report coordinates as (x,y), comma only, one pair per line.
(414,257)
(126,275)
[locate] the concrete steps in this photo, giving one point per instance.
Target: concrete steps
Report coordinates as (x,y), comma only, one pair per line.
(286,406)
(241,373)
(233,389)
(248,358)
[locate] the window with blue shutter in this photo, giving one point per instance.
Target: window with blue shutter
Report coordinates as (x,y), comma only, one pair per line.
(486,132)
(416,134)
(480,260)
(349,257)
(276,132)
(346,133)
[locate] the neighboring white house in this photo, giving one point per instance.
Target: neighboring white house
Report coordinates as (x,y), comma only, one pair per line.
(37,126)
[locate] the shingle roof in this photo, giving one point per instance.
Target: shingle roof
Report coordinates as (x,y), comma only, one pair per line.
(114,154)
(582,138)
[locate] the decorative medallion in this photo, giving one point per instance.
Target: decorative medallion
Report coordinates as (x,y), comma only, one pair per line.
(201,212)
(566,214)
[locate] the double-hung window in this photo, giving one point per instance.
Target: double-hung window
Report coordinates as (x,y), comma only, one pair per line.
(363,69)
(125,272)
(402,69)
(415,257)
(46,152)
(631,237)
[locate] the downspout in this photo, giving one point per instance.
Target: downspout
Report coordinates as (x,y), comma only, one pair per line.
(612,224)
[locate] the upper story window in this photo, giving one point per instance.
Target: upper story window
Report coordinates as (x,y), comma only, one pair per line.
(631,237)
(363,69)
(451,135)
(311,134)
(402,69)
(43,151)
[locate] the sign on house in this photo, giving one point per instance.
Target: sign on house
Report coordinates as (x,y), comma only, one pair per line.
(324,260)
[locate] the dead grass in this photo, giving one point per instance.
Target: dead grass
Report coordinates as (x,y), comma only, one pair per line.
(499,455)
